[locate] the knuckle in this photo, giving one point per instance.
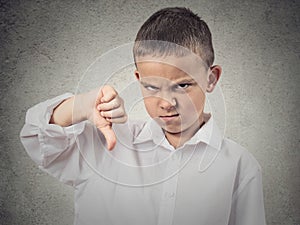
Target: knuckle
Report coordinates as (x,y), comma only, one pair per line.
(109,89)
(116,104)
(113,94)
(125,119)
(105,88)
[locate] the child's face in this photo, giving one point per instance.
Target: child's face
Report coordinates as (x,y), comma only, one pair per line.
(174,95)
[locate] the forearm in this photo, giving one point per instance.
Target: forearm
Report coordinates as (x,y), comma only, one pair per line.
(70,111)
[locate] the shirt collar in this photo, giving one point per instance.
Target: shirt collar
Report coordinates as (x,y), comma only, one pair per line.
(209,134)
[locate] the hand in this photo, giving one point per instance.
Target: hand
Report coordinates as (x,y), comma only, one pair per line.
(107,108)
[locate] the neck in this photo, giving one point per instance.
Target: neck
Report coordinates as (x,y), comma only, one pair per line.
(178,139)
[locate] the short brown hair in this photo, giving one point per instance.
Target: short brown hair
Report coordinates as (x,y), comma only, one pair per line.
(177,25)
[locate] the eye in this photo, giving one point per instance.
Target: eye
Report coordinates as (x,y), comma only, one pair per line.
(182,86)
(151,88)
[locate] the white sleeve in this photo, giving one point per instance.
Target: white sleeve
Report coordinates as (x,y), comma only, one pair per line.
(51,146)
(248,204)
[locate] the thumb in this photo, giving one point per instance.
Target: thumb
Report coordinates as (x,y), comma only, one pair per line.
(109,135)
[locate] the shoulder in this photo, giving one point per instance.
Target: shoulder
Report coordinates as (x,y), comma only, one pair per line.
(239,153)
(243,163)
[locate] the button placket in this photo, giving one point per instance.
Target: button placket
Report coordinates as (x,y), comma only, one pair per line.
(167,204)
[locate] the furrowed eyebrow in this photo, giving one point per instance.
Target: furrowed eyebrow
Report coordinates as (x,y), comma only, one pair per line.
(185,81)
(145,83)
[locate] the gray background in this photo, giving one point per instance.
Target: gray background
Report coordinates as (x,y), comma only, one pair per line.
(47,45)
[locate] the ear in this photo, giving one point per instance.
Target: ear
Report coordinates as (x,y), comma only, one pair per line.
(137,75)
(213,77)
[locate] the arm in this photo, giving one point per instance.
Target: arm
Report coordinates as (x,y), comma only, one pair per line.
(64,115)
(102,108)
(248,204)
(55,132)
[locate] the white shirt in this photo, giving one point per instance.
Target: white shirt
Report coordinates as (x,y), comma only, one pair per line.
(210,180)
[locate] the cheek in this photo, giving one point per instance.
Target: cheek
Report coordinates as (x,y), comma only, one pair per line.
(193,104)
(150,105)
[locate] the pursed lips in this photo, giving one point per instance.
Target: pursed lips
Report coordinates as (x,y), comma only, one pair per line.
(172,115)
(169,117)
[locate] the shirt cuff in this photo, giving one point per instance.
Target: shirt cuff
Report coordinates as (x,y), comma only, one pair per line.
(53,138)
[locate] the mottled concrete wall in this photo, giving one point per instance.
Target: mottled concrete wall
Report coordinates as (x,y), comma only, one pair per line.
(47,45)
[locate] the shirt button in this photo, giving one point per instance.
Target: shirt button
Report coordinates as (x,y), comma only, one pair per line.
(169,195)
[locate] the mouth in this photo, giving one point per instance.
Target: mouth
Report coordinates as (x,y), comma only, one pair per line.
(167,118)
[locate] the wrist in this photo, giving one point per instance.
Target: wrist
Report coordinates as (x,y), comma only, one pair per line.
(78,109)
(83,105)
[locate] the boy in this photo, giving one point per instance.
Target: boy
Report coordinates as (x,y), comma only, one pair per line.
(152,175)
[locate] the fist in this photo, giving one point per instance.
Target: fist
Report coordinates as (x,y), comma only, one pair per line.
(107,108)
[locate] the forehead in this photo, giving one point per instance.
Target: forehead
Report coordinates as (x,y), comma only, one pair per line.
(171,67)
(160,71)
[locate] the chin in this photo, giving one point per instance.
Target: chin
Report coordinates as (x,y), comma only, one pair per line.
(172,129)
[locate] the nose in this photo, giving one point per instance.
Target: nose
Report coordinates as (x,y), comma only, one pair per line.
(167,102)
